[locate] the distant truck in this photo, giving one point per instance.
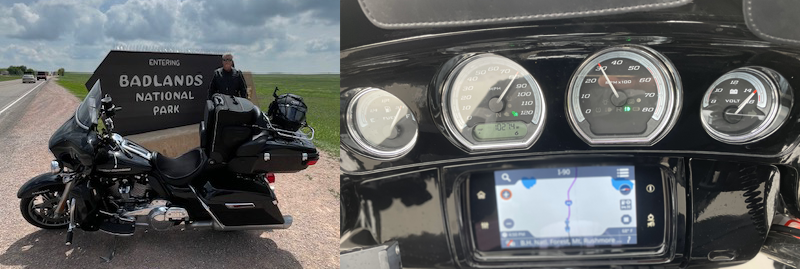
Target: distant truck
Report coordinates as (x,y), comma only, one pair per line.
(41,75)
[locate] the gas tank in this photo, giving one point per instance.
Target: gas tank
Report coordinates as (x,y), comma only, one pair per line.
(128,159)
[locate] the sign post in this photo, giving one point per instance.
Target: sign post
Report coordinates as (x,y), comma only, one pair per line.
(155,90)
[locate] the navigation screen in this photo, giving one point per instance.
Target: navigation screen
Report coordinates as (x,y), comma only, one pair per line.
(566,207)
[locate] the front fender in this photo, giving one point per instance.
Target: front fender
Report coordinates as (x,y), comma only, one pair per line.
(44,182)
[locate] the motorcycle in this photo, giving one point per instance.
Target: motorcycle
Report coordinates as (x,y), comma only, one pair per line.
(102,181)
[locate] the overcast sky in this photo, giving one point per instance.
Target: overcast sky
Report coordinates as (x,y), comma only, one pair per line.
(289,36)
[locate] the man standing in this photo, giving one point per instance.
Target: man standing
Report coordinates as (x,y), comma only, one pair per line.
(228,80)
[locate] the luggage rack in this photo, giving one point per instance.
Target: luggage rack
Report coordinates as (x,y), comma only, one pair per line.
(287,133)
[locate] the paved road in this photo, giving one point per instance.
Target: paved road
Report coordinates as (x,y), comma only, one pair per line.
(14,99)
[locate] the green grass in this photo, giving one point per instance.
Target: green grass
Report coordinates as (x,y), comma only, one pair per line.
(321,95)
(75,83)
(7,78)
(320,92)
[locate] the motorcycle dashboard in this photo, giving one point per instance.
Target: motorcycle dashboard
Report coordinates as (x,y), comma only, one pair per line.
(441,174)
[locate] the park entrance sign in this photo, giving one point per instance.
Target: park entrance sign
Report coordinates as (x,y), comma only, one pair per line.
(156,90)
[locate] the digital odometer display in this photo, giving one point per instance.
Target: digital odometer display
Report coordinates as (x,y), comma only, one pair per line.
(492,103)
(500,130)
(566,207)
(622,95)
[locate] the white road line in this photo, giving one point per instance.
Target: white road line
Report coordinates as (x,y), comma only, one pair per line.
(20,98)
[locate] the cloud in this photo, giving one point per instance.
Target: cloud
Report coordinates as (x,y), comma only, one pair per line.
(142,19)
(322,45)
(266,36)
(256,12)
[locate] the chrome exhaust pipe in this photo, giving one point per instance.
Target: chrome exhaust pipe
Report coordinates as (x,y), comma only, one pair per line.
(287,222)
(205,224)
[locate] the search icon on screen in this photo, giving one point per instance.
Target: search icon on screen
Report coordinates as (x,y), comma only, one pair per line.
(505,177)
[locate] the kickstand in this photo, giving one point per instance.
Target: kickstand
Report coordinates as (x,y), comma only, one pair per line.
(71,226)
(113,251)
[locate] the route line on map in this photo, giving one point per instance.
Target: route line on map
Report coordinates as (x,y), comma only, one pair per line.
(569,201)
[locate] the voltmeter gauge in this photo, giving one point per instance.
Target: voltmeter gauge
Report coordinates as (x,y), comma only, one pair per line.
(381,124)
(746,105)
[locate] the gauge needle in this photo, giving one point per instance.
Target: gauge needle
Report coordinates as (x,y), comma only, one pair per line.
(748,115)
(608,80)
(507,87)
(396,117)
(744,102)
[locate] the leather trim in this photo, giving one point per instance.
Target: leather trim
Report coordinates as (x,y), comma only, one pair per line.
(750,20)
(370,10)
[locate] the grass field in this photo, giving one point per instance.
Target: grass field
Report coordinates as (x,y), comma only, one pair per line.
(7,78)
(74,82)
(320,92)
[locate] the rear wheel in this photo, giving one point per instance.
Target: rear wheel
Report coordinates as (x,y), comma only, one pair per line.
(40,209)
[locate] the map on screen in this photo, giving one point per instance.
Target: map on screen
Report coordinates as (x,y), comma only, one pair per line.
(566,207)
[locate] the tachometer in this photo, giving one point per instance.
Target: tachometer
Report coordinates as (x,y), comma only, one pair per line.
(624,95)
(492,103)
(746,105)
(381,124)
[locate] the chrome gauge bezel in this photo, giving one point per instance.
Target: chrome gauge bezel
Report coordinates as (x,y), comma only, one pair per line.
(358,138)
(780,98)
(670,97)
(456,135)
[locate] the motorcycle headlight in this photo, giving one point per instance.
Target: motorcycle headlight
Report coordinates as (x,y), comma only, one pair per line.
(55,167)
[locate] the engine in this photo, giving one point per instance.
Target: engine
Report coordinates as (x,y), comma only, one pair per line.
(129,192)
(135,200)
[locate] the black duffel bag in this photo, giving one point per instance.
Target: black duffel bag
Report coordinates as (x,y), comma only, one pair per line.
(287,111)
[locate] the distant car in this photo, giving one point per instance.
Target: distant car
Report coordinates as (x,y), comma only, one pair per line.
(28,78)
(41,75)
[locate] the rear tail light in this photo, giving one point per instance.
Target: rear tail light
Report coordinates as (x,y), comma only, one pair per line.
(312,162)
(270,178)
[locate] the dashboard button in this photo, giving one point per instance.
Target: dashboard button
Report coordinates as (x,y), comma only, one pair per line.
(626,219)
(505,194)
(650,188)
(509,223)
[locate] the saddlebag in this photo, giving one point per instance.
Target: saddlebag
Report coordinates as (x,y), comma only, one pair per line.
(274,153)
(239,200)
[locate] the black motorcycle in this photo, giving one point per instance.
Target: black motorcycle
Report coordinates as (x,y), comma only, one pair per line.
(102,181)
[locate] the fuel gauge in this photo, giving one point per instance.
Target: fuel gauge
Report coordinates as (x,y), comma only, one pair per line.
(381,124)
(746,105)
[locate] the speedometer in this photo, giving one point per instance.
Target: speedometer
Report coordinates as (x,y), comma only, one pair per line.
(624,95)
(492,103)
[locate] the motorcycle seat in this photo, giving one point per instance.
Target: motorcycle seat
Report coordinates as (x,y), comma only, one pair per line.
(181,170)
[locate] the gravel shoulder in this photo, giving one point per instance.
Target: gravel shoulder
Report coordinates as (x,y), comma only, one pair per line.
(310,196)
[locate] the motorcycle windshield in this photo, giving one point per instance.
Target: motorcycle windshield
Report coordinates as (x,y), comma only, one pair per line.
(73,143)
(86,115)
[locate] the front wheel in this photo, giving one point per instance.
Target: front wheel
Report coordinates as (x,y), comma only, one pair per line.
(40,209)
